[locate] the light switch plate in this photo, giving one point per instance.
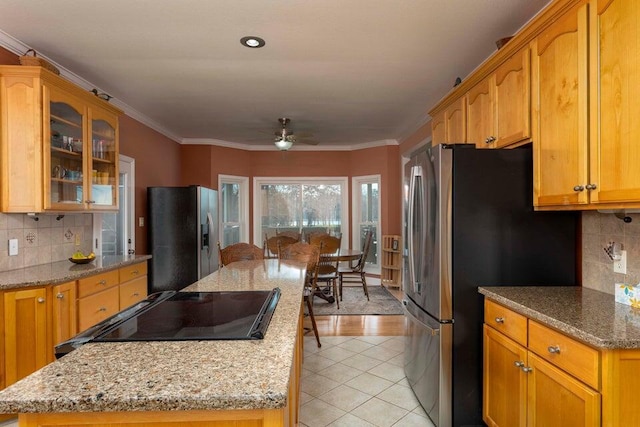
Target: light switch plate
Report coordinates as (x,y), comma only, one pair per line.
(620,266)
(13,247)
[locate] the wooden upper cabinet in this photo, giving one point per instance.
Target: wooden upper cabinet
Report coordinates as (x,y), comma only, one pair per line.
(58,145)
(615,101)
(449,125)
(511,95)
(480,115)
(455,121)
(438,129)
(559,111)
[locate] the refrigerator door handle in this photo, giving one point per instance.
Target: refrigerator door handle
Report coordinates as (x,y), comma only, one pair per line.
(205,236)
(416,172)
(431,331)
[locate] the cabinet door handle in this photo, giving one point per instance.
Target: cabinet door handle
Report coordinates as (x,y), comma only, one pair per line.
(102,309)
(102,282)
(40,300)
(60,295)
(135,272)
(135,294)
(554,349)
(578,188)
(89,201)
(591,187)
(526,369)
(499,319)
(519,364)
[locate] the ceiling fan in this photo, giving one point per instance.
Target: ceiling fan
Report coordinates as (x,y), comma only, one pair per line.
(285,137)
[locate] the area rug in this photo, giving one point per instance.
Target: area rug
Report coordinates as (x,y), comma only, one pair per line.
(355,302)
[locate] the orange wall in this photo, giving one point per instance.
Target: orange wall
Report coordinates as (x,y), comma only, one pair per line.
(202,164)
(157,164)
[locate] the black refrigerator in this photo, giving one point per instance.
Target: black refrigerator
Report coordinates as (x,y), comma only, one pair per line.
(182,235)
(469,223)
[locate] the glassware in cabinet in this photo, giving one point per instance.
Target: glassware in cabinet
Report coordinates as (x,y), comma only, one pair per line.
(104,161)
(66,160)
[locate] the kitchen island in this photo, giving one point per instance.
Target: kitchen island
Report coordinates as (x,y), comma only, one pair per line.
(249,382)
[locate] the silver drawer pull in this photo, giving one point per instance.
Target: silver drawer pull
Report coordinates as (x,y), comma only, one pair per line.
(60,296)
(135,272)
(518,364)
(526,369)
(554,349)
(135,294)
(40,300)
(499,319)
(102,309)
(102,282)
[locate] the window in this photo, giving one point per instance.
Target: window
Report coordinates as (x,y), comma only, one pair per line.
(302,204)
(233,192)
(366,216)
(115,231)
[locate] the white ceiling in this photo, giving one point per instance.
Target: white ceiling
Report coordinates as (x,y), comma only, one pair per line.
(351,72)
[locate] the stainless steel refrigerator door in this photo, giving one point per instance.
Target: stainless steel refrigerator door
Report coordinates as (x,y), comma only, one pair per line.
(429,232)
(428,363)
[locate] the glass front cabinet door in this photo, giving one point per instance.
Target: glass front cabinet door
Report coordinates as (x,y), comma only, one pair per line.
(82,145)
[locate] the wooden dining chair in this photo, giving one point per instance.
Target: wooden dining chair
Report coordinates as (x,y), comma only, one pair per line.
(328,266)
(356,274)
(310,255)
(289,233)
(273,245)
(238,252)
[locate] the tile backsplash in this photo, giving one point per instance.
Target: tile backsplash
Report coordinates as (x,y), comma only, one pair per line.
(598,230)
(51,238)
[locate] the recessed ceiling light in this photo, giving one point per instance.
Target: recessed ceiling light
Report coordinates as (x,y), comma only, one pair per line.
(252,42)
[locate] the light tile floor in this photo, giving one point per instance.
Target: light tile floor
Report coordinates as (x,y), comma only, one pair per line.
(357,381)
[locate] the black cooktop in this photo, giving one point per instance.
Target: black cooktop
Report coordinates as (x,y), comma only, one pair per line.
(170,316)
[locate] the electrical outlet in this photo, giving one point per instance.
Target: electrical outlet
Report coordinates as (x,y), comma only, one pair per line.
(13,247)
(620,266)
(78,239)
(141,221)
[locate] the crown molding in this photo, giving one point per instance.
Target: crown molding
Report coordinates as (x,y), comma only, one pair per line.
(298,147)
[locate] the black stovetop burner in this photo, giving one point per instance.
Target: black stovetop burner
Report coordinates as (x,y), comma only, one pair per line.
(171,316)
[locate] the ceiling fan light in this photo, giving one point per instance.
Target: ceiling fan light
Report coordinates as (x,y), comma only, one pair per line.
(283,144)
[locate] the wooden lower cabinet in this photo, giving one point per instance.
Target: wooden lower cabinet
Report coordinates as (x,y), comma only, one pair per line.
(525,384)
(555,398)
(26,343)
(97,307)
(505,385)
(64,322)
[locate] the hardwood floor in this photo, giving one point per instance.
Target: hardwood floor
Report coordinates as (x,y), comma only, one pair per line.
(352,325)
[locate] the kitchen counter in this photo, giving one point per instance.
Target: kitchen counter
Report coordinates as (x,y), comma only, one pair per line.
(63,271)
(178,375)
(588,315)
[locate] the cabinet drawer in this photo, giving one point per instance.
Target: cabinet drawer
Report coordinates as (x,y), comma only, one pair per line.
(133,291)
(97,283)
(97,307)
(578,359)
(133,271)
(508,322)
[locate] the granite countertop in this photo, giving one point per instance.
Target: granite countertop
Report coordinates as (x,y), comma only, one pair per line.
(63,271)
(178,375)
(588,315)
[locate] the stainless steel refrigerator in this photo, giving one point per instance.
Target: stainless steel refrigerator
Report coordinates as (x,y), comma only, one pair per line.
(182,235)
(470,223)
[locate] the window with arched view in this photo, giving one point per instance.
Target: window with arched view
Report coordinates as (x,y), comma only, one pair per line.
(304,205)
